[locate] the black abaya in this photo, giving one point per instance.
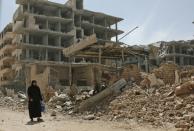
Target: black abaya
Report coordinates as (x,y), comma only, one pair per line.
(34,104)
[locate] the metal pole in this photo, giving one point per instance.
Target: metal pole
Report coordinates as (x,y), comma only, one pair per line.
(129,33)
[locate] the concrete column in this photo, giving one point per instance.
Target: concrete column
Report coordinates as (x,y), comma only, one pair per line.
(181,60)
(59,12)
(70,71)
(73,15)
(46,55)
(105,22)
(45,39)
(138,62)
(100,56)
(116,26)
(174,59)
(27,53)
(173,49)
(40,54)
(28,7)
(32,10)
(27,38)
(59,41)
(59,56)
(180,50)
(47,25)
(146,64)
(59,26)
(106,35)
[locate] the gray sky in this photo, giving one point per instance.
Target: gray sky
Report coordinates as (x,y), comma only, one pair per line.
(158,19)
(0,12)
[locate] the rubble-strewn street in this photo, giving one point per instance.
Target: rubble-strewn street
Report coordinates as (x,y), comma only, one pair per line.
(78,68)
(18,121)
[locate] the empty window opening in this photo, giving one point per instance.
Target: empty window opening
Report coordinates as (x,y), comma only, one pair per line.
(88,32)
(36,39)
(53,56)
(64,82)
(54,26)
(86,19)
(78,34)
(66,14)
(100,35)
(53,41)
(77,20)
(99,21)
(65,42)
(41,23)
(81,83)
(34,54)
(38,10)
(65,28)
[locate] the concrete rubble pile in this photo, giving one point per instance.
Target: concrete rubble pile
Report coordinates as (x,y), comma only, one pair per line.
(166,72)
(132,71)
(60,103)
(83,102)
(14,101)
(158,104)
(157,108)
(63,102)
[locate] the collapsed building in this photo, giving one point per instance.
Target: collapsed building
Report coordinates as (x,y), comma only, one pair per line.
(6,59)
(62,44)
(178,52)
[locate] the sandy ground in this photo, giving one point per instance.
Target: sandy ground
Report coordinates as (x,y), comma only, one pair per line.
(18,121)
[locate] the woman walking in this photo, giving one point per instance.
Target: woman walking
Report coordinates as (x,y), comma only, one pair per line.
(34,101)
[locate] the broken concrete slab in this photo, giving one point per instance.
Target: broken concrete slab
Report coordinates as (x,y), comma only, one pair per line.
(113,90)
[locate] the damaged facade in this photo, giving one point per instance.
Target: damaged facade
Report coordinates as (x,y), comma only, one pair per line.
(6,58)
(178,52)
(62,44)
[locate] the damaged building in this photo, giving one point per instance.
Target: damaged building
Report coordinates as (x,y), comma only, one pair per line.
(6,58)
(178,52)
(62,44)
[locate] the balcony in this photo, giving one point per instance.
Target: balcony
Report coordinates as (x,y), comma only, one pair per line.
(7,48)
(8,35)
(6,59)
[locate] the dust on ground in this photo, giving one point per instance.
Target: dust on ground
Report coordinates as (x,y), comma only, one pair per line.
(18,121)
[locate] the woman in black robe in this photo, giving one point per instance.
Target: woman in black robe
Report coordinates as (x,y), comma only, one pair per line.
(34,103)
